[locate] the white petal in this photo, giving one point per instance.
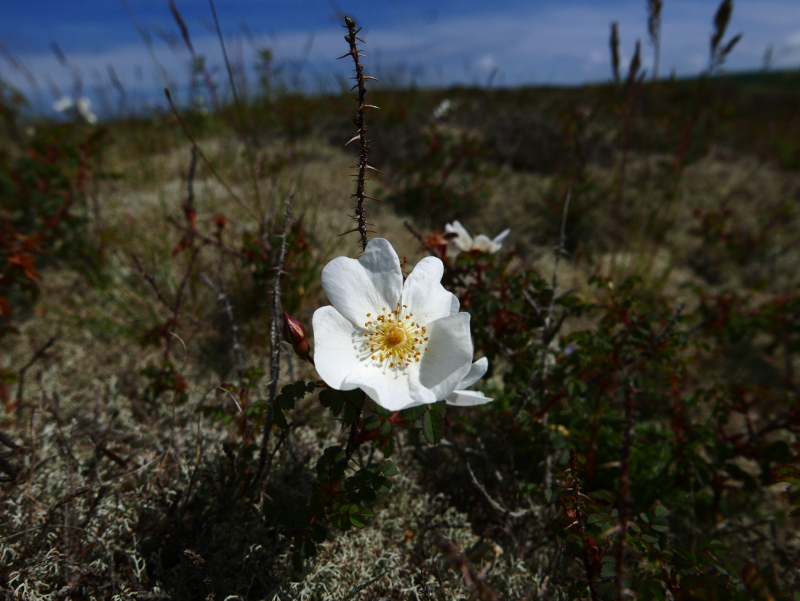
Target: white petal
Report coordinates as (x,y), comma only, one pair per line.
(448,356)
(468,398)
(391,389)
(483,243)
(463,240)
(336,347)
(424,294)
(498,239)
(357,287)
(475,373)
(454,305)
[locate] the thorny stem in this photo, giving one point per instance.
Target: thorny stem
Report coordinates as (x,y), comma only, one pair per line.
(548,335)
(361,131)
(576,506)
(274,342)
(625,500)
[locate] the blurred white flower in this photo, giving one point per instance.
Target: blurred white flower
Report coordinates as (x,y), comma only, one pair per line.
(403,343)
(83,106)
(62,104)
(481,242)
(469,398)
(443,108)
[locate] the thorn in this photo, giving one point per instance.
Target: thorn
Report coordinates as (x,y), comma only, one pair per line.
(356,137)
(374,169)
(368,106)
(345,55)
(372,198)
(358,38)
(370,77)
(348,232)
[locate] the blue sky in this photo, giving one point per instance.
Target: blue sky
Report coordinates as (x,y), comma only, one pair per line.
(525,42)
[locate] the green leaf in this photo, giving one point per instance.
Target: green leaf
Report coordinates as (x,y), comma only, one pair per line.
(358,521)
(372,422)
(386,429)
(433,426)
(278,418)
(308,548)
(786,473)
(661,511)
(389,469)
(548,494)
(382,485)
(350,412)
(413,413)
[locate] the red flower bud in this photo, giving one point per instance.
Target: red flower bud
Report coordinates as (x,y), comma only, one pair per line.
(293,331)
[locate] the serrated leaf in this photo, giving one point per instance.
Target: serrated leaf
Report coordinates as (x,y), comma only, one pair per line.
(413,413)
(433,426)
(661,511)
(385,429)
(358,521)
(278,418)
(389,469)
(660,524)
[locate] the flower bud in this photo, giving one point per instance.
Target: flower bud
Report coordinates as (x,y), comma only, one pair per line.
(293,331)
(295,334)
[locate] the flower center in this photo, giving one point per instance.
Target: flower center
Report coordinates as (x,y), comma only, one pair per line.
(394,337)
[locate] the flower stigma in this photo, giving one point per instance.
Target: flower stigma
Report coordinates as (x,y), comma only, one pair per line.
(394,337)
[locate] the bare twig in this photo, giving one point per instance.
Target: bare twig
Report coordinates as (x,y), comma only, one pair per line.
(211,168)
(475,581)
(360,587)
(40,352)
(274,339)
(222,297)
(495,505)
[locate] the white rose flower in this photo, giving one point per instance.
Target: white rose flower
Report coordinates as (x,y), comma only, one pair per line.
(482,242)
(62,104)
(84,106)
(469,398)
(403,343)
